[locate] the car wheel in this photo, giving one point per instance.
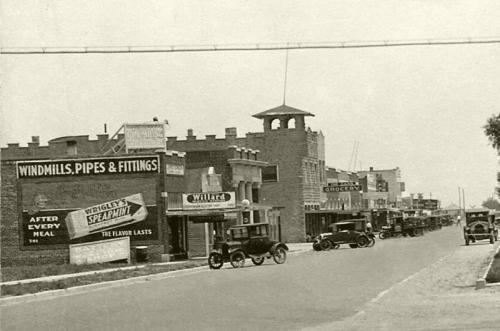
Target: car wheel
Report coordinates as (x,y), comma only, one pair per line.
(383,235)
(215,260)
(316,246)
(353,245)
(326,244)
(258,260)
(279,255)
(372,242)
(237,259)
(363,241)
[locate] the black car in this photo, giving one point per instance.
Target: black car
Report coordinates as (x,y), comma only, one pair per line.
(351,233)
(247,241)
(480,225)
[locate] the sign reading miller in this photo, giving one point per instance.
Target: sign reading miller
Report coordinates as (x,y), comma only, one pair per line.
(87,167)
(211,200)
(343,187)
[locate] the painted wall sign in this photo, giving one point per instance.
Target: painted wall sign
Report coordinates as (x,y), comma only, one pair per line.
(87,167)
(144,135)
(342,187)
(100,251)
(209,200)
(106,216)
(48,227)
(45,228)
(175,169)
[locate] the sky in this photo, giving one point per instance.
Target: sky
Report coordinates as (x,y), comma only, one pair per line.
(421,109)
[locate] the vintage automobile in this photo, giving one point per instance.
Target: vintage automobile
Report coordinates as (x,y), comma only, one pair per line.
(351,233)
(401,227)
(480,225)
(247,241)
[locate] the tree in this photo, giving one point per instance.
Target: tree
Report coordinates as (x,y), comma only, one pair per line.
(491,203)
(492,131)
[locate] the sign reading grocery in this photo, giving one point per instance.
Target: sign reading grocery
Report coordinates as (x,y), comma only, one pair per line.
(87,167)
(342,187)
(105,216)
(209,200)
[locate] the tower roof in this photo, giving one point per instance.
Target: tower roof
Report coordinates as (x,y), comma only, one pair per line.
(282,110)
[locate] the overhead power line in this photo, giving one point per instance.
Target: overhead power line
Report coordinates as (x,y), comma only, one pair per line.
(245,47)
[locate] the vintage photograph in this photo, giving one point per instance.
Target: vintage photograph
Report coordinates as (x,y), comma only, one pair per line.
(250,165)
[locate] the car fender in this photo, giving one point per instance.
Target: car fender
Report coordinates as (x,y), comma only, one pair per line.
(276,245)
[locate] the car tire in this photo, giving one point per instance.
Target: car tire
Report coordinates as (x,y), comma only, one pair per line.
(372,242)
(279,255)
(215,260)
(363,241)
(237,259)
(316,246)
(353,245)
(326,244)
(258,260)
(382,235)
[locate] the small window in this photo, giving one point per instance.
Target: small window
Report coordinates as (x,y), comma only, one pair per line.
(270,173)
(71,147)
(239,233)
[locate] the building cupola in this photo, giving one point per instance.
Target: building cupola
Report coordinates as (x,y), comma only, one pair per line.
(287,118)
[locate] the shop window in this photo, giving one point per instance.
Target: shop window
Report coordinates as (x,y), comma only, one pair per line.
(270,173)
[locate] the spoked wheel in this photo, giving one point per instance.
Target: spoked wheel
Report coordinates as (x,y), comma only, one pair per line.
(258,260)
(363,241)
(215,260)
(325,244)
(237,259)
(279,255)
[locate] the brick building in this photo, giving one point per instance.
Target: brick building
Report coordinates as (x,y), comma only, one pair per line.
(296,163)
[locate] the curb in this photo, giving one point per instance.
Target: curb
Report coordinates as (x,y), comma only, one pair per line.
(93,287)
(481,282)
(45,295)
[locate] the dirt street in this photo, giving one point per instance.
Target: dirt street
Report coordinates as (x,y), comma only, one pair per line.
(439,297)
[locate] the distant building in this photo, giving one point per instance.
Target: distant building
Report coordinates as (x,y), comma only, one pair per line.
(383,188)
